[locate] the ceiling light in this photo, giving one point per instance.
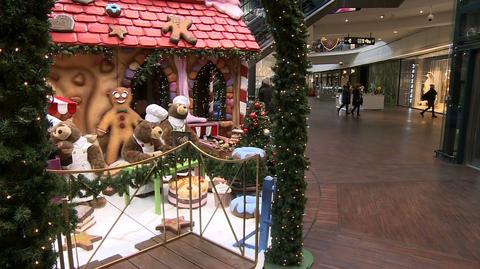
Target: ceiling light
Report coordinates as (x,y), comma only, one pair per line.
(421,11)
(346,20)
(381,16)
(395,32)
(379,39)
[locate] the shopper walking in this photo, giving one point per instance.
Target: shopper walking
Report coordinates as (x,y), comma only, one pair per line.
(430,97)
(357,100)
(345,99)
(265,94)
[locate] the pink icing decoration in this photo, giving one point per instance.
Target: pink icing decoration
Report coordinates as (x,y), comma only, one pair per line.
(229,7)
(181,63)
(173,87)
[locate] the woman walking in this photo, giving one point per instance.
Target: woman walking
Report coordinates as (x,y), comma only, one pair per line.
(345,99)
(357,99)
(430,97)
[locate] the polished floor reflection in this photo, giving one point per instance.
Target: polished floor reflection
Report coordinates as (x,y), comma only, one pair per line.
(378,198)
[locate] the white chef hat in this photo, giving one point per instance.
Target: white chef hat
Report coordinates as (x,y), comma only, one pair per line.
(155,113)
(53,121)
(181,100)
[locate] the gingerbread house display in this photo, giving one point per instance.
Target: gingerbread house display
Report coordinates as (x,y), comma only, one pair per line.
(158,49)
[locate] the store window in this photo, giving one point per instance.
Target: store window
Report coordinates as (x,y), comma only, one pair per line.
(416,76)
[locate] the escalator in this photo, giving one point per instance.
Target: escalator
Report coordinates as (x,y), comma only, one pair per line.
(314,10)
(254,17)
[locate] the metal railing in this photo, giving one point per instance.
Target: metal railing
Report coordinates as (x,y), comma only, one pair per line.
(196,161)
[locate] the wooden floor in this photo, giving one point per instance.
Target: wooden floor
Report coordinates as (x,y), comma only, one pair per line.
(378,198)
(187,252)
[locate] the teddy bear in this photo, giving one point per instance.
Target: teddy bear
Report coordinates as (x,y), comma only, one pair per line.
(175,129)
(119,122)
(145,142)
(75,151)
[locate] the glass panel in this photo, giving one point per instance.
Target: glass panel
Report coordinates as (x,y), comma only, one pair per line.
(470,25)
(474,128)
(462,99)
(408,78)
(417,74)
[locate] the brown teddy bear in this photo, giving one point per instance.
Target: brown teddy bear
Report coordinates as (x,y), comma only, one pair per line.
(76,152)
(145,142)
(175,129)
(119,122)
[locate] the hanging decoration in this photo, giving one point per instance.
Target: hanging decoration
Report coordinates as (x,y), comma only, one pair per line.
(179,28)
(330,44)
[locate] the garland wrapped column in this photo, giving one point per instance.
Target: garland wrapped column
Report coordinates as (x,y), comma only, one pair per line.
(289,129)
(29,221)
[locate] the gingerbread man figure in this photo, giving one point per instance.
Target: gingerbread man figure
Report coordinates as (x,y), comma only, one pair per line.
(179,28)
(119,122)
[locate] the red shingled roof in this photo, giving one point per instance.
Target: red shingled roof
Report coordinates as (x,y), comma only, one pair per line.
(143,19)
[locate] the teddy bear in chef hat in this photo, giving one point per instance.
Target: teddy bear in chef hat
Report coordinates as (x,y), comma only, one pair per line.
(147,138)
(175,129)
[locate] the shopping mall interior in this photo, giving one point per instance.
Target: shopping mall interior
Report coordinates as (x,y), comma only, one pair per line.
(391,188)
(222,134)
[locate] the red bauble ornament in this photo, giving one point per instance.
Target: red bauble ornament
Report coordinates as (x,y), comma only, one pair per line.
(257,105)
(264,113)
(255,124)
(253,115)
(245,130)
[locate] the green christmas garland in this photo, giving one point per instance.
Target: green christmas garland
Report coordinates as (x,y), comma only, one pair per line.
(134,177)
(289,117)
(64,49)
(68,50)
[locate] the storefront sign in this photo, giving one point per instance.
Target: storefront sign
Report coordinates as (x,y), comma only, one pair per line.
(359,40)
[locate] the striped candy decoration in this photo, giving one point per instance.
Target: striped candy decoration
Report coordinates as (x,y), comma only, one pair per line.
(243,89)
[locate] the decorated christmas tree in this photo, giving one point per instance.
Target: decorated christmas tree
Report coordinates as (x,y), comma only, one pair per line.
(29,221)
(256,128)
(290,106)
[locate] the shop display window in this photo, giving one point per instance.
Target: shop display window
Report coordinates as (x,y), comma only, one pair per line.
(416,76)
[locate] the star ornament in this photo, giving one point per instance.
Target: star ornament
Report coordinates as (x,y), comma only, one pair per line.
(117,31)
(174,224)
(84,241)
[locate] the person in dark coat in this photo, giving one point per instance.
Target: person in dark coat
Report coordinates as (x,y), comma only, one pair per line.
(357,100)
(265,94)
(345,99)
(430,97)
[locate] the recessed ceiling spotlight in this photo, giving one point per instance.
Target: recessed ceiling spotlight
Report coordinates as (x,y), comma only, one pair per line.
(346,20)
(421,11)
(395,32)
(379,39)
(382,16)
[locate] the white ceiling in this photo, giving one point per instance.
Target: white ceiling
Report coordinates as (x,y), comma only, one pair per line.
(405,20)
